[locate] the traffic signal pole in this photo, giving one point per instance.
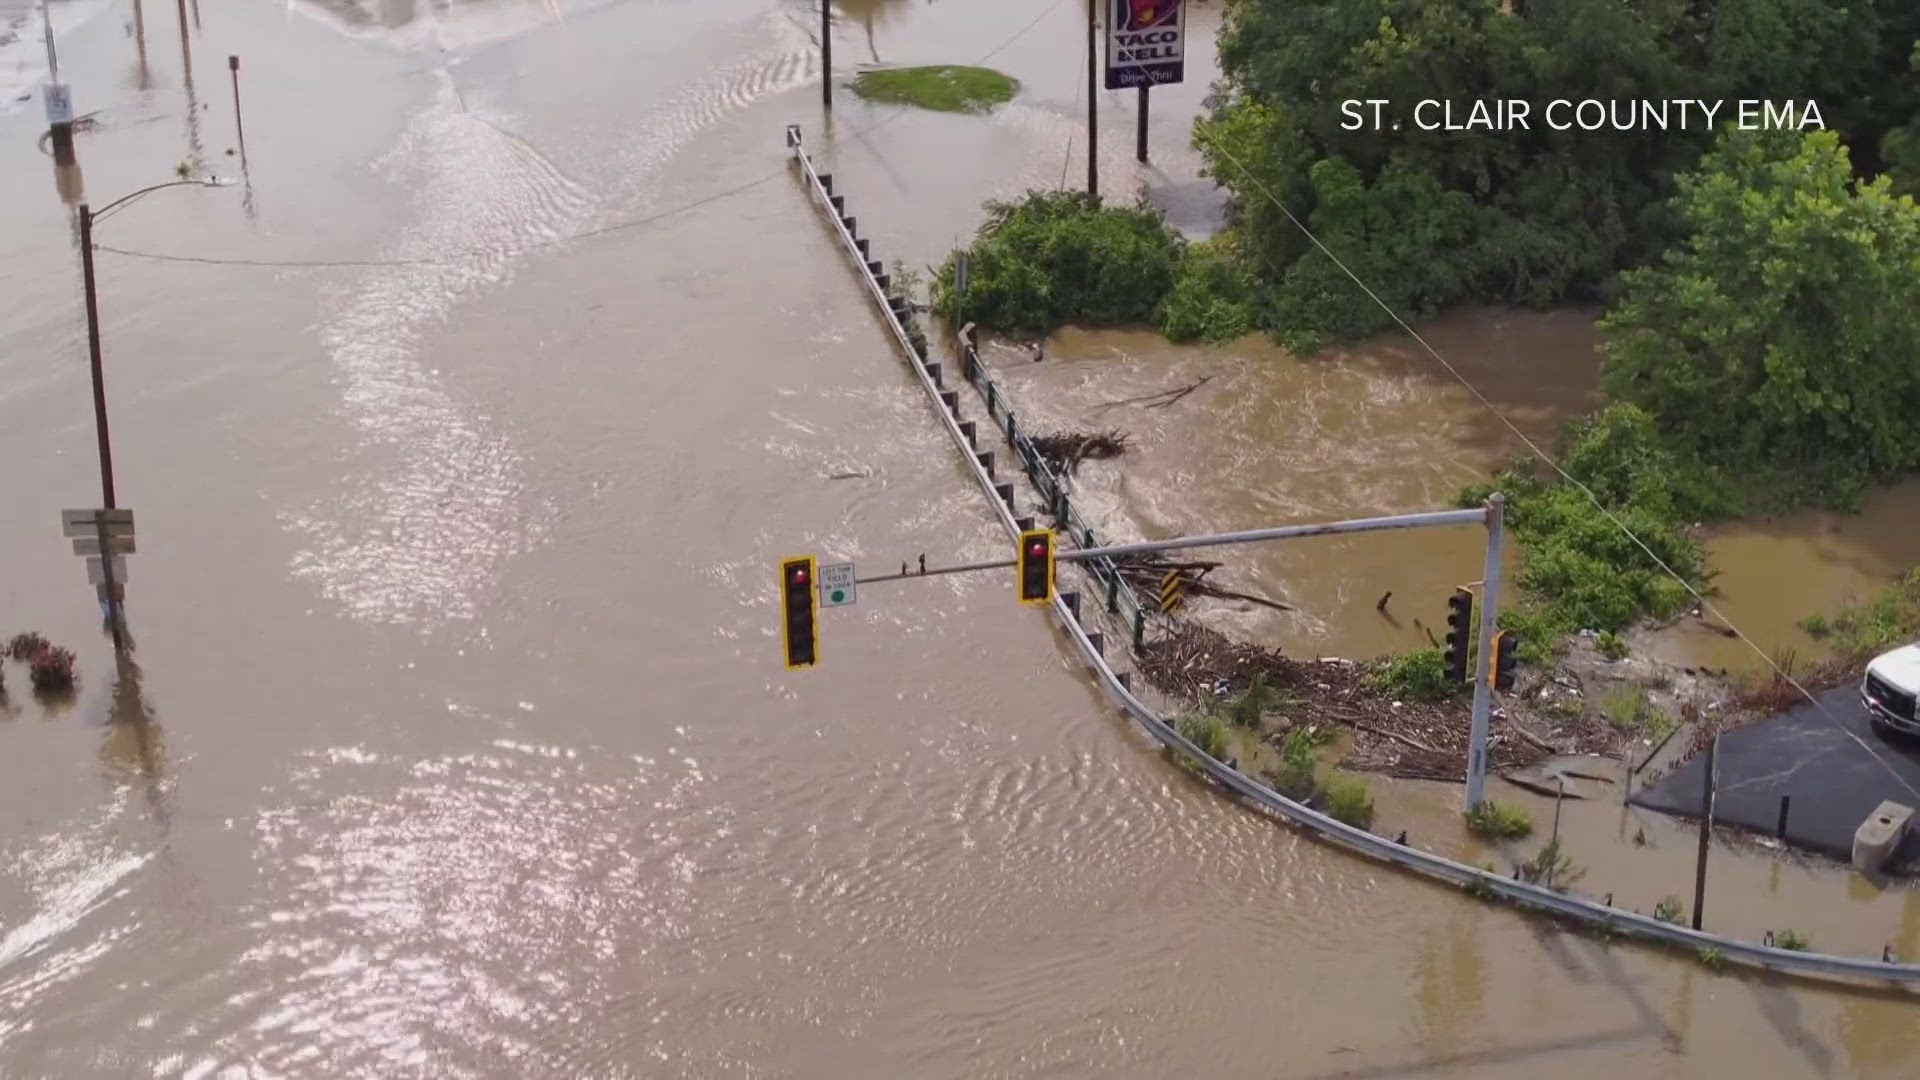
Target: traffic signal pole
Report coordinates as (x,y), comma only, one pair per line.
(1495,516)
(1279,532)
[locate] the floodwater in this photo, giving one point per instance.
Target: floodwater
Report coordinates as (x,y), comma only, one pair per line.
(455,741)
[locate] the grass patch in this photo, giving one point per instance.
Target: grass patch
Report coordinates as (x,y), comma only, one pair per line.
(941,87)
(1712,957)
(1348,800)
(1294,777)
(1503,822)
(1611,645)
(1207,731)
(1889,619)
(1420,675)
(1627,708)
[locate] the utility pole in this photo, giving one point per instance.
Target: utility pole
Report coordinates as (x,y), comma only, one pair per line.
(1489,617)
(826,54)
(93,354)
(1093,102)
(1709,780)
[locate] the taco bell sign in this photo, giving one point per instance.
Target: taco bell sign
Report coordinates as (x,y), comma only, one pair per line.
(1144,45)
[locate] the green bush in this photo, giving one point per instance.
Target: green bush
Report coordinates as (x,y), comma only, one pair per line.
(1294,777)
(1348,800)
(1550,867)
(1712,957)
(1246,708)
(1578,569)
(1611,645)
(1420,675)
(1057,257)
(1793,940)
(1668,909)
(1502,822)
(1215,295)
(1207,731)
(1816,626)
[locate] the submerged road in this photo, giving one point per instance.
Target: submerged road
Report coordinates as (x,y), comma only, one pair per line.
(458,743)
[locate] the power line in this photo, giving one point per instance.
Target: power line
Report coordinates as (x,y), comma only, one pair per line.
(1778,670)
(555,242)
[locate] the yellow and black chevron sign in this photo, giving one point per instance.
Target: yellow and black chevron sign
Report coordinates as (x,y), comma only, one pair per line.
(1171,591)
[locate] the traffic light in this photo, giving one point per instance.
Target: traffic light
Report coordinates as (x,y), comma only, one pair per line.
(797,596)
(1459,633)
(1036,566)
(1505,645)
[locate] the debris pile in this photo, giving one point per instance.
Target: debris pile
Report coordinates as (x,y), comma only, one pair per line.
(1063,451)
(1418,740)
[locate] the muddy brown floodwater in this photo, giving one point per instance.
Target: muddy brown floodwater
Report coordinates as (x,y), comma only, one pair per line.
(455,741)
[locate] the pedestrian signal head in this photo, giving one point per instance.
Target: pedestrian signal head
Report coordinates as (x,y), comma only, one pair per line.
(801,611)
(1036,566)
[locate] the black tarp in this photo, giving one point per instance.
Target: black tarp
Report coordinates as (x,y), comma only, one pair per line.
(1835,768)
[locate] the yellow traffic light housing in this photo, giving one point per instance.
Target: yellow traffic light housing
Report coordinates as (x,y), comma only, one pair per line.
(1506,646)
(1036,566)
(802,608)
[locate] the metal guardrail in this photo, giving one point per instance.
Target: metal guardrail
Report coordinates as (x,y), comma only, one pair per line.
(1360,841)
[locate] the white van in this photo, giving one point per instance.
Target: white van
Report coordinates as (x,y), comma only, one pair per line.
(1890,690)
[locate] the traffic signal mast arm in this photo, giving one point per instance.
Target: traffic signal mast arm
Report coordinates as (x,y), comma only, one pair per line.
(1146,547)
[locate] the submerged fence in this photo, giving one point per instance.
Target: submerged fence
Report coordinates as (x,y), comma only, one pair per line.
(1066,609)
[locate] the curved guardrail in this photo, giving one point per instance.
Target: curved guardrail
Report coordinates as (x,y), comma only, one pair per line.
(1338,833)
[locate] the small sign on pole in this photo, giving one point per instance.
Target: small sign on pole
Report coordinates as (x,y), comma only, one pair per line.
(59,99)
(90,545)
(836,585)
(97,571)
(85,522)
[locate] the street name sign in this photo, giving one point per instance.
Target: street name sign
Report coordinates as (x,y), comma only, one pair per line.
(836,585)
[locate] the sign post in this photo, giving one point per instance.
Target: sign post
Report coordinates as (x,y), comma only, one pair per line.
(103,538)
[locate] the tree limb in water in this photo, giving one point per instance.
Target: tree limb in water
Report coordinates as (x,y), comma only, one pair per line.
(1149,401)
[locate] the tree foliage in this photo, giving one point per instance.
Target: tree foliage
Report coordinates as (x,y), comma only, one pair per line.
(1429,218)
(1794,293)
(1057,257)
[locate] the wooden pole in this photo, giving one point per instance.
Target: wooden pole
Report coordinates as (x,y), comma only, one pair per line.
(239,127)
(1708,782)
(826,54)
(101,433)
(1093,102)
(1140,134)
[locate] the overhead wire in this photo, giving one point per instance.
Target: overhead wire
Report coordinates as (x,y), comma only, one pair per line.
(1778,670)
(569,238)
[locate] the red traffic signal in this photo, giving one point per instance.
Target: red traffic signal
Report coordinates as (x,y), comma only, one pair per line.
(1036,566)
(802,611)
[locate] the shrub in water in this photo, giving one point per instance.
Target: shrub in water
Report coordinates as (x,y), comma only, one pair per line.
(1668,909)
(1294,777)
(1349,801)
(23,646)
(51,668)
(1504,822)
(1206,731)
(1791,939)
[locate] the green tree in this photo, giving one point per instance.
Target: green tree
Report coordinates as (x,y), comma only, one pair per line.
(1781,335)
